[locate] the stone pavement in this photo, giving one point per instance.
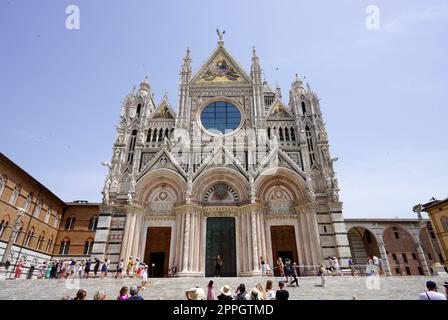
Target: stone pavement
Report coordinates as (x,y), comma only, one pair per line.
(343,288)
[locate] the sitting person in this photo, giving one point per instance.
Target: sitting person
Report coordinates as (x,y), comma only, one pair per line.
(226,294)
(195,294)
(431,293)
(281,293)
(133,290)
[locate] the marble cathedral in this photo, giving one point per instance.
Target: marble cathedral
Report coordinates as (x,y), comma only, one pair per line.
(237,171)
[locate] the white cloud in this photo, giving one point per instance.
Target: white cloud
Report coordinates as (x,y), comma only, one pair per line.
(410,18)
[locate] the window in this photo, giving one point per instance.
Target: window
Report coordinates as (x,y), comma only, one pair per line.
(28,201)
(396,235)
(29,237)
(15,195)
(40,240)
(309,141)
(49,244)
(70,223)
(397,270)
(3,226)
(132,146)
(293,136)
(65,246)
(444,221)
(16,235)
(408,271)
(303,108)
(48,215)
(414,256)
(88,245)
(405,258)
(3,181)
(221,117)
(139,109)
(38,208)
(93,223)
(394,256)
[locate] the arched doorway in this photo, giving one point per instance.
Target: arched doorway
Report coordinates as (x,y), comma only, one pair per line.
(363,244)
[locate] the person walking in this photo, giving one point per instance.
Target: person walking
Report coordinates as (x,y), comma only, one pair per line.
(210,291)
(431,293)
(48,271)
(263,266)
(218,266)
(337,267)
(96,267)
(120,267)
(352,266)
(129,267)
(323,274)
(42,269)
(294,274)
(105,268)
(19,268)
(87,268)
(287,269)
(144,275)
(281,294)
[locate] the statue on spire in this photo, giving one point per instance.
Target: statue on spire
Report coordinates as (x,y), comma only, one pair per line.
(220,36)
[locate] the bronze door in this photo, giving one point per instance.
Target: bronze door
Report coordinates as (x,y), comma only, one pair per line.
(221,240)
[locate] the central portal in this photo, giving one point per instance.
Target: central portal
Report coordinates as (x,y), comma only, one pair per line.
(221,241)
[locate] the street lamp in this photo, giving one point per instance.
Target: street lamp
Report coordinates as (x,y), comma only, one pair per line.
(7,252)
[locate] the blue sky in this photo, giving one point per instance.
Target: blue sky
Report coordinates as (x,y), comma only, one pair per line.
(383,92)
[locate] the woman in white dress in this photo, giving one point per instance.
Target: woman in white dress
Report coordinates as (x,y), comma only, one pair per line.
(144,274)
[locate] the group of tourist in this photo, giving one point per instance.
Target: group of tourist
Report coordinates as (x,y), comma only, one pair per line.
(226,293)
(133,294)
(65,269)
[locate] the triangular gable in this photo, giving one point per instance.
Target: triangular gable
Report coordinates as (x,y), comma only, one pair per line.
(278,110)
(226,160)
(221,67)
(163,111)
(278,158)
(163,159)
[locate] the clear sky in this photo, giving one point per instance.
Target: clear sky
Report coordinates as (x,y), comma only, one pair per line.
(383,92)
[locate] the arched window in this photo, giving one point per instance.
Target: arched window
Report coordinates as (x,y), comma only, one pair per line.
(303,108)
(88,245)
(70,223)
(49,244)
(38,208)
(40,240)
(29,237)
(15,195)
(309,140)
(132,146)
(93,223)
(28,201)
(3,181)
(148,138)
(139,109)
(65,246)
(293,135)
(444,221)
(3,226)
(269,132)
(280,134)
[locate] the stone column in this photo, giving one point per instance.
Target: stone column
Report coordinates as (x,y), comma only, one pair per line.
(125,241)
(136,235)
(340,237)
(384,259)
(186,244)
(254,243)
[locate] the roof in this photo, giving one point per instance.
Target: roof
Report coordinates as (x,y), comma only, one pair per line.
(384,220)
(14,165)
(433,203)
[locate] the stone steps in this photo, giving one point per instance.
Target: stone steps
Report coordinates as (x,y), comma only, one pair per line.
(346,287)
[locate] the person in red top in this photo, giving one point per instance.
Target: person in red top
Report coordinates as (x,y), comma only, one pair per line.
(19,268)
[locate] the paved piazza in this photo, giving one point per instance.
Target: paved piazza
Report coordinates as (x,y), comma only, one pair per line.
(343,288)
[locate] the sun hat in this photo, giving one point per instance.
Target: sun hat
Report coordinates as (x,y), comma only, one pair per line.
(225,290)
(197,294)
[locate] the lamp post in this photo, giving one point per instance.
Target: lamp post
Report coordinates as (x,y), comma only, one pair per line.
(7,252)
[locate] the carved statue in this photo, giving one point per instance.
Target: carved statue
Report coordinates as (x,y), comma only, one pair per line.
(107,184)
(114,184)
(105,197)
(117,153)
(130,199)
(220,34)
(132,184)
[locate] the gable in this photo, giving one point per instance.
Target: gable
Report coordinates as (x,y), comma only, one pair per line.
(163,111)
(278,110)
(221,68)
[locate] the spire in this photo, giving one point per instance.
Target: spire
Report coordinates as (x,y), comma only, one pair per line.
(255,67)
(145,88)
(186,66)
(165,95)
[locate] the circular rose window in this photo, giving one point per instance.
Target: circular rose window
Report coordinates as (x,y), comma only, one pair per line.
(220,117)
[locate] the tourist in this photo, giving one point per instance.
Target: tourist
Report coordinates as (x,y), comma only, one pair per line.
(137,269)
(105,268)
(195,294)
(120,266)
(144,274)
(173,270)
(226,293)
(218,266)
(133,290)
(80,269)
(323,274)
(376,265)
(269,290)
(241,293)
(287,269)
(99,295)
(123,294)
(431,293)
(369,266)
(19,268)
(281,267)
(87,268)
(263,266)
(282,293)
(54,269)
(48,272)
(81,295)
(337,267)
(96,267)
(210,291)
(332,269)
(352,266)
(446,288)
(129,267)
(170,273)
(42,270)
(263,295)
(294,274)
(254,294)
(63,271)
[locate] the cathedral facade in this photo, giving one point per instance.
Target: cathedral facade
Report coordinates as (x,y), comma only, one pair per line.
(237,171)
